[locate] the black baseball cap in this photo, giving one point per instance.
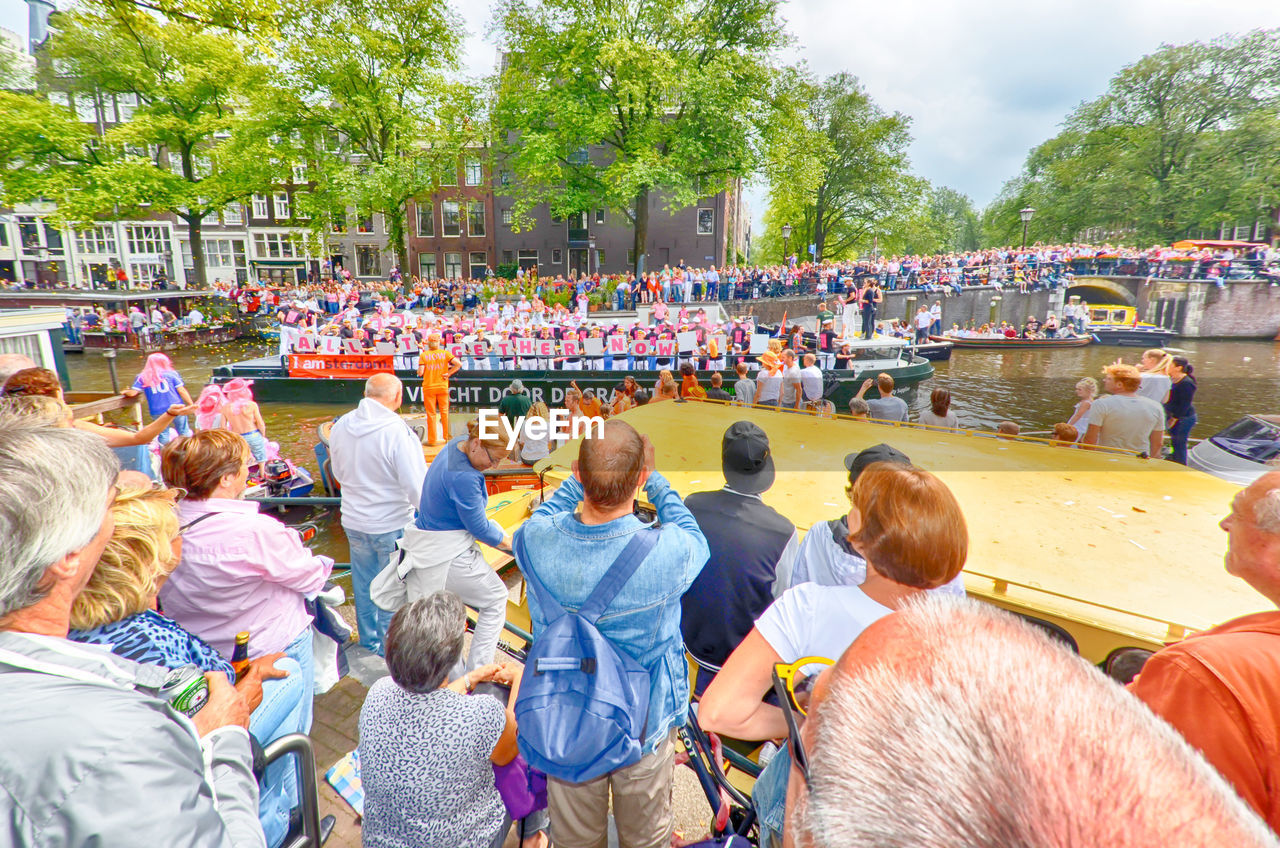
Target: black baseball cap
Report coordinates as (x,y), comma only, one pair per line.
(745,458)
(856,463)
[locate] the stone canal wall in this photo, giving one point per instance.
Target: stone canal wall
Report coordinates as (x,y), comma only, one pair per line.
(1241,309)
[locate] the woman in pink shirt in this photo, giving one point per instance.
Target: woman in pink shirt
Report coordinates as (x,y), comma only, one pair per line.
(240,570)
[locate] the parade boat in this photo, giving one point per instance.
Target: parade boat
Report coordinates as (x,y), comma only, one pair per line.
(1242,452)
(995,343)
(1116,551)
(934,351)
(1117,324)
(319,378)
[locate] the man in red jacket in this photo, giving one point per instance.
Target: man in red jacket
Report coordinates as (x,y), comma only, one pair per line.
(1221,688)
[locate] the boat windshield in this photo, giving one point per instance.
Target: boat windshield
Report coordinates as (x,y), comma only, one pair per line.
(1251,438)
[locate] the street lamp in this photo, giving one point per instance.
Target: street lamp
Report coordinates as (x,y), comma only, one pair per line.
(1026,215)
(591,248)
(786,240)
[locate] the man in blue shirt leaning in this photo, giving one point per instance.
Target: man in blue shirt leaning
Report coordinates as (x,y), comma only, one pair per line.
(570,550)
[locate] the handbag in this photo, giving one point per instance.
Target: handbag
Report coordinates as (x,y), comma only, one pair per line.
(523,789)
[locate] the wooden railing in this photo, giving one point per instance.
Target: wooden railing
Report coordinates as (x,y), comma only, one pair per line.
(96,404)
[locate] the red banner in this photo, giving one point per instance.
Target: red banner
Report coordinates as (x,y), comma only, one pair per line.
(319,365)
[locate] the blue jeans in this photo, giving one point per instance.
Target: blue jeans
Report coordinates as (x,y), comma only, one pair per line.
(1178,434)
(257,445)
(182,424)
(299,650)
(281,712)
(769,796)
(370,553)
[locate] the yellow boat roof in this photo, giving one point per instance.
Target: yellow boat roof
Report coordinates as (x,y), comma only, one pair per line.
(1110,537)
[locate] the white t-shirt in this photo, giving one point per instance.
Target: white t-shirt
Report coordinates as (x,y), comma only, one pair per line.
(811,382)
(923,320)
(949,420)
(790,385)
(1154,386)
(1126,421)
(811,620)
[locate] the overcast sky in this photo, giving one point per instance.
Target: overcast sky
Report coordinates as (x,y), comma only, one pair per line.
(983,80)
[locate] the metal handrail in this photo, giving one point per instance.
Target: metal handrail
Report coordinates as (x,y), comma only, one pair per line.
(300,744)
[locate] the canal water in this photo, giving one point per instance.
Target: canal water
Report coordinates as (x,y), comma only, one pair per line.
(1034,388)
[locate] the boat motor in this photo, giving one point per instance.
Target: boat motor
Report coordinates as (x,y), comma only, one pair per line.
(276,476)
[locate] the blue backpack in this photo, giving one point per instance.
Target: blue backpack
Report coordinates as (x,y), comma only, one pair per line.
(583,704)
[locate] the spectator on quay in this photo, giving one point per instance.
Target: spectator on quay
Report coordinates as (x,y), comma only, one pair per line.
(753,548)
(744,390)
(1064,435)
(379,464)
(163,387)
(1086,390)
(569,552)
(1122,419)
(1219,687)
(1180,415)
(858,408)
(922,690)
(939,413)
(912,534)
(887,407)
(717,392)
(453,510)
(427,750)
(240,570)
(117,609)
(41,382)
(73,773)
(515,402)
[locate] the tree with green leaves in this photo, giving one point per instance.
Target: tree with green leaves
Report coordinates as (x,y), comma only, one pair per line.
(1161,153)
(610,103)
(842,179)
(376,116)
(186,148)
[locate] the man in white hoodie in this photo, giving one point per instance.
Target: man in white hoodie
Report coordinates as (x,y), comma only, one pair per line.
(379,464)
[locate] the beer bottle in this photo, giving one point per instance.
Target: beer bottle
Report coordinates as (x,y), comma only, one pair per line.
(240,657)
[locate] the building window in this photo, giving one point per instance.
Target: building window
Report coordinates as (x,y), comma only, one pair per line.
(86,108)
(368,260)
(706,222)
(449,218)
(528,260)
(599,259)
(504,177)
(273,246)
(452,266)
(224,253)
(479,262)
(449,174)
(299,174)
(146,271)
(125,104)
(507,217)
(427,222)
(473,172)
(339,223)
(231,215)
(508,256)
(146,239)
(599,216)
(557,256)
(260,207)
(427,266)
(365,224)
(100,240)
(282,206)
(475,220)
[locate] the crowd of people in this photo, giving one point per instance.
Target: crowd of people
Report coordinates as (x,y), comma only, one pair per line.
(852,649)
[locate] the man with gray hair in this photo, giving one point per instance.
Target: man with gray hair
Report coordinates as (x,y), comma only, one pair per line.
(89,754)
(380,466)
(1221,688)
(951,722)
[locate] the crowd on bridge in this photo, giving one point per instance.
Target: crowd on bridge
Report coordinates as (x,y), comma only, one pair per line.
(852,648)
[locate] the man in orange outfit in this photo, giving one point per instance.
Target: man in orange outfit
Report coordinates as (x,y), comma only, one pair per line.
(435,367)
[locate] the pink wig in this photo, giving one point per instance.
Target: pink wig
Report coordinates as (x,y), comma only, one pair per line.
(238,393)
(210,404)
(153,372)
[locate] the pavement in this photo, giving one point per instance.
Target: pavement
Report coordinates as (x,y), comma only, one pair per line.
(335,732)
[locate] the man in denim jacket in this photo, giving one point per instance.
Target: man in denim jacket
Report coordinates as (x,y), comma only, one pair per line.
(570,552)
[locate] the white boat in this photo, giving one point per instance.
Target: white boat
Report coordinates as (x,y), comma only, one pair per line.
(1242,452)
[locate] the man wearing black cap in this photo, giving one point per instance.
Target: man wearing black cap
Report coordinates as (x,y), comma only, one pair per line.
(826,557)
(753,549)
